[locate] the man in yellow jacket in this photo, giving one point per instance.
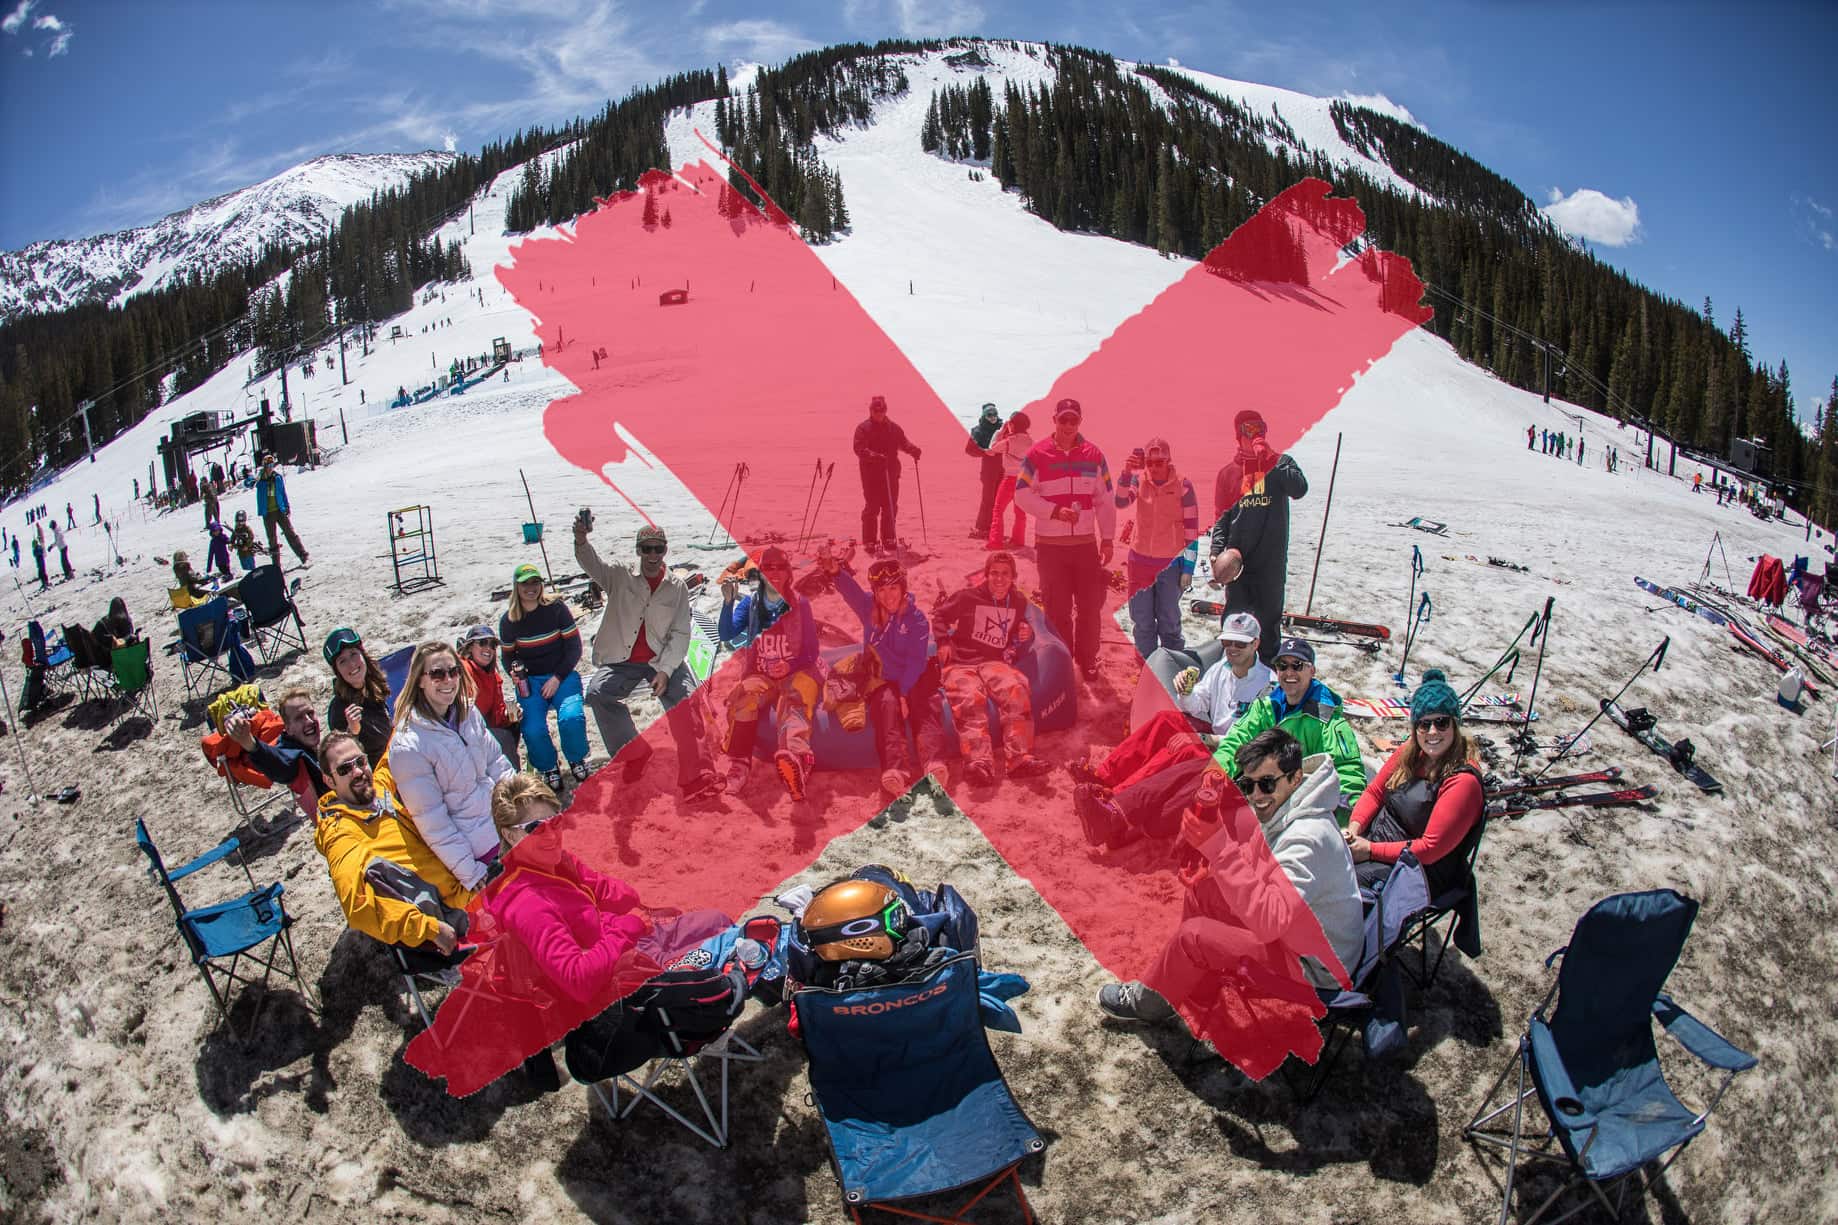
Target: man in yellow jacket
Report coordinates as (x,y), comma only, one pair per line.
(378,862)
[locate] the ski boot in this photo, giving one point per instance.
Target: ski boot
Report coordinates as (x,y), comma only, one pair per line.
(793,770)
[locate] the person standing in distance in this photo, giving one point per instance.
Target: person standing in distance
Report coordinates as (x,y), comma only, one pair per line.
(1251,497)
(878,443)
(1065,483)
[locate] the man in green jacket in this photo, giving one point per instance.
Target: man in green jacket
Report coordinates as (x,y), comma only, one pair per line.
(1308,710)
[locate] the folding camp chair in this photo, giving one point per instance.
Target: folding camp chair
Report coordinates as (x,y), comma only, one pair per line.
(395,670)
(132,669)
(271,610)
(210,644)
(1373,1006)
(1449,910)
(89,665)
(233,929)
(1593,1065)
(57,661)
(679,1020)
(910,1095)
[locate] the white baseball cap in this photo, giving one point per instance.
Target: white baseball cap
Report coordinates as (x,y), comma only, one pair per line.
(1240,627)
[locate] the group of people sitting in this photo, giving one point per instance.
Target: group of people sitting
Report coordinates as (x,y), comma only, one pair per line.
(1280,735)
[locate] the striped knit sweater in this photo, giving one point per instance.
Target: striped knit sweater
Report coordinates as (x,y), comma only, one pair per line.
(546,642)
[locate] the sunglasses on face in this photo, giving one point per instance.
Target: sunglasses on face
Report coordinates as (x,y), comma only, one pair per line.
(345,769)
(1264,783)
(1436,723)
(441,674)
(1252,429)
(658,549)
(1290,665)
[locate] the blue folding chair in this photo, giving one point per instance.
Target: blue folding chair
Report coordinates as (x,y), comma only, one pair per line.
(230,930)
(210,644)
(56,658)
(395,671)
(272,612)
(910,1095)
(1593,1064)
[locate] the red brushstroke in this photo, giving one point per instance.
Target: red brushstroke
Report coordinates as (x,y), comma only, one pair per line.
(770,362)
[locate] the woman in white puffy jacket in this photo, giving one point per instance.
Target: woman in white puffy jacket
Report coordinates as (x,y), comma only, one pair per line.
(445,762)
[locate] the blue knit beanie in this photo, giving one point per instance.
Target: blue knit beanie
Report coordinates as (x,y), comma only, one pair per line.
(1434,697)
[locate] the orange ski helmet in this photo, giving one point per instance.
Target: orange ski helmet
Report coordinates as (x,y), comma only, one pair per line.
(854,919)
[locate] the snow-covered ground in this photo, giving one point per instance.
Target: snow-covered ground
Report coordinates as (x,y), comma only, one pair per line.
(136,1109)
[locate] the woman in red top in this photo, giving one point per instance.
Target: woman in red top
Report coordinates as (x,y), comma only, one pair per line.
(478,652)
(1427,798)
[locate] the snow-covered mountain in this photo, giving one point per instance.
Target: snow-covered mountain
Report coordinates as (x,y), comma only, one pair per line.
(293,206)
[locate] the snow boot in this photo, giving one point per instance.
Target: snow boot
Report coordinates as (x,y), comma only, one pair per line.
(793,771)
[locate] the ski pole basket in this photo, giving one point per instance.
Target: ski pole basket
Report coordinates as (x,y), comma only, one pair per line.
(411,548)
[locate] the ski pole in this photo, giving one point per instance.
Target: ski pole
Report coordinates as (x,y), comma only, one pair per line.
(1652,661)
(1410,601)
(919,485)
(734,510)
(539,543)
(720,507)
(1510,654)
(818,510)
(1540,637)
(1309,607)
(808,494)
(1410,637)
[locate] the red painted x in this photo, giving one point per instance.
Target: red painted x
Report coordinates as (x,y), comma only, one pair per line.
(772,362)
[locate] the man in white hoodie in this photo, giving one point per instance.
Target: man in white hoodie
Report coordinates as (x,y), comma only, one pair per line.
(643,639)
(1249,903)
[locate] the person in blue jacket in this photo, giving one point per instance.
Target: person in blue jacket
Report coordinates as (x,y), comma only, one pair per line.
(893,677)
(271,504)
(779,669)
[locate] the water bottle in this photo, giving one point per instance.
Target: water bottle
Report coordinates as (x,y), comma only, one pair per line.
(750,953)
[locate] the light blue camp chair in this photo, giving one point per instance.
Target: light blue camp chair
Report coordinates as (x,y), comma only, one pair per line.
(219,936)
(1593,1066)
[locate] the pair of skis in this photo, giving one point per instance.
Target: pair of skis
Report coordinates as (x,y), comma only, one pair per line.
(1521,798)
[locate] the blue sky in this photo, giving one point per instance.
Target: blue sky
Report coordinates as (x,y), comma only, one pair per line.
(1703,122)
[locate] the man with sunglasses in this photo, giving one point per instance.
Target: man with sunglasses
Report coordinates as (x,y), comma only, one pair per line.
(779,670)
(1308,710)
(1065,484)
(390,883)
(1237,910)
(643,639)
(1250,546)
(878,443)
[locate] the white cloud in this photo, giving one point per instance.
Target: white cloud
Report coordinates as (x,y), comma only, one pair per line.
(1815,221)
(1588,214)
(450,142)
(759,40)
(915,18)
(16,19)
(61,31)
(48,22)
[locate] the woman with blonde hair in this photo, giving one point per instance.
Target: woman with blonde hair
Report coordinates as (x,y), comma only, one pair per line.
(541,647)
(1427,798)
(445,763)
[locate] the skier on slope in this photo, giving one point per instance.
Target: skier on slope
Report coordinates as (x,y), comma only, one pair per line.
(1250,547)
(878,443)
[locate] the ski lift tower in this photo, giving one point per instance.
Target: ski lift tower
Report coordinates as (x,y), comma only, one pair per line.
(411,549)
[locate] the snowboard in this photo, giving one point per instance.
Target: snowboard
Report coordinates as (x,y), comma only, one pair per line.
(1682,761)
(1423,525)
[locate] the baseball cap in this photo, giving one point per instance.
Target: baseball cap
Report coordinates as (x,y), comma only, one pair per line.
(478,633)
(1068,405)
(1297,648)
(650,531)
(525,572)
(1157,446)
(772,557)
(1240,627)
(340,638)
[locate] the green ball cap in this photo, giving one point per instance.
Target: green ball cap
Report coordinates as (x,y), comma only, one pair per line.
(524,573)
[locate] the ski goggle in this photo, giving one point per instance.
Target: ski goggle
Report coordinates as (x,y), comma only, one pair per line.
(1253,429)
(889,921)
(886,572)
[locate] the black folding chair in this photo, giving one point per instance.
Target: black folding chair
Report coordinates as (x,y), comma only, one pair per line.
(274,619)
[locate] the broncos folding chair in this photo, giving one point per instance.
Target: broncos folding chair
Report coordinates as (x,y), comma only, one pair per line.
(132,669)
(1593,1065)
(271,612)
(211,645)
(228,930)
(910,1095)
